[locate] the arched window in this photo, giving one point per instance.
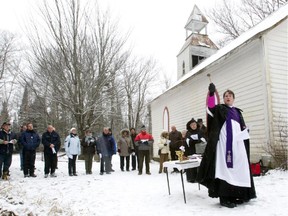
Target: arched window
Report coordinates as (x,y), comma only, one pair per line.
(183,68)
(166,119)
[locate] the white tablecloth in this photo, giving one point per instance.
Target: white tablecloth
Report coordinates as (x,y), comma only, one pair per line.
(191,163)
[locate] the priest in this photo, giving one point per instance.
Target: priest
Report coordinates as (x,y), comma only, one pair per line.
(225,169)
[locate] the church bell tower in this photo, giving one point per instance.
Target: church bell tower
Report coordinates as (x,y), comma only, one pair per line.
(197,46)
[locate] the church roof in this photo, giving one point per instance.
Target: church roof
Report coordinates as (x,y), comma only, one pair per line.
(267,23)
(198,40)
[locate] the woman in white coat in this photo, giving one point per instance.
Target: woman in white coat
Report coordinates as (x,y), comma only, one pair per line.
(164,151)
(72,149)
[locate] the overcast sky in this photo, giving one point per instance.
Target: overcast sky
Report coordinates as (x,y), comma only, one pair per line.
(157,25)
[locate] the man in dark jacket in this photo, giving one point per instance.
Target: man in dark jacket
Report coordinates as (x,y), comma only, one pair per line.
(105,146)
(30,140)
(175,137)
(7,140)
(51,142)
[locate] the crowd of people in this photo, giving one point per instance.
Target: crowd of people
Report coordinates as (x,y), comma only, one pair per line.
(224,169)
(129,145)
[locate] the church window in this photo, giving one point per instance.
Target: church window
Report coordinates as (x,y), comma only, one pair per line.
(166,119)
(196,60)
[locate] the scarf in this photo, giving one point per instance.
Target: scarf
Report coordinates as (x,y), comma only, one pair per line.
(232,114)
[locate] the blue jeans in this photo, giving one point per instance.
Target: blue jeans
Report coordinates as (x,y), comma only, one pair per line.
(5,161)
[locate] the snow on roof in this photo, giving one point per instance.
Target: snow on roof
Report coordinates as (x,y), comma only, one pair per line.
(267,23)
(198,40)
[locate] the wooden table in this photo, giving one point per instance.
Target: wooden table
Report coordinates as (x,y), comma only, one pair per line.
(181,166)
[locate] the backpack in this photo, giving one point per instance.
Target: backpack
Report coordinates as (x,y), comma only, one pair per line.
(256,168)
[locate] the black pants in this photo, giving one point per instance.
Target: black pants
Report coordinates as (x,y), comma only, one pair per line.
(135,161)
(144,154)
(122,158)
(105,161)
(72,165)
(5,161)
(29,161)
(50,161)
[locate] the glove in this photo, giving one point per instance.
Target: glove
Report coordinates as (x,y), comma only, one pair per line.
(165,144)
(212,89)
(100,155)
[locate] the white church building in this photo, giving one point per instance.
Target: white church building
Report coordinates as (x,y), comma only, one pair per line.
(254,66)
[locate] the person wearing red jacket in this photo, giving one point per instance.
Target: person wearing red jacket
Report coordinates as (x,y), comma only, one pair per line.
(144,141)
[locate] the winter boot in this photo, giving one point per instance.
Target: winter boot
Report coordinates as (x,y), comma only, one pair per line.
(5,176)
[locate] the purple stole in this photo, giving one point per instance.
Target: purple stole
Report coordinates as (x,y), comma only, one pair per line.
(232,114)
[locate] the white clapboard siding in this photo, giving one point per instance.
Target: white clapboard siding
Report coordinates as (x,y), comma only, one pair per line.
(240,72)
(276,48)
(254,66)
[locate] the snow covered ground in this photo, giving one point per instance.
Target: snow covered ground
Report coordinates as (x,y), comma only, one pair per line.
(126,193)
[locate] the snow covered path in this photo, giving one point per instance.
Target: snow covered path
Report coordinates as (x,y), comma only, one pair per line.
(126,193)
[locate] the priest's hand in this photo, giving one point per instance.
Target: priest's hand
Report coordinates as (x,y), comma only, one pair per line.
(212,89)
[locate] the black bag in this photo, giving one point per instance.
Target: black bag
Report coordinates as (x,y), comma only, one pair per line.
(159,152)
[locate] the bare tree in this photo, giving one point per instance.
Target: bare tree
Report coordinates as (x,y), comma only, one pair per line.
(76,60)
(138,77)
(233,19)
(9,68)
(8,53)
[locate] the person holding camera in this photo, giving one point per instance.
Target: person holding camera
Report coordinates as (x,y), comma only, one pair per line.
(89,148)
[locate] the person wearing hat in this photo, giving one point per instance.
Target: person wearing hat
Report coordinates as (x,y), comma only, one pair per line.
(7,140)
(72,149)
(144,141)
(125,148)
(30,140)
(193,136)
